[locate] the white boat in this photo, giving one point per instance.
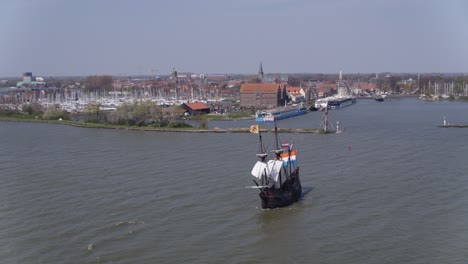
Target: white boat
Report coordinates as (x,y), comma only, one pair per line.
(321,103)
(334,102)
(340,102)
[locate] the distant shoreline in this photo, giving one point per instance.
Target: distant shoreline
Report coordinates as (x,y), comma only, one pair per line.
(454,126)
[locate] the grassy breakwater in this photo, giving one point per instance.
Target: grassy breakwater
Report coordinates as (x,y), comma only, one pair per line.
(23,118)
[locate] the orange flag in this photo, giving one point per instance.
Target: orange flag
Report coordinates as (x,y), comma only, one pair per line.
(254,129)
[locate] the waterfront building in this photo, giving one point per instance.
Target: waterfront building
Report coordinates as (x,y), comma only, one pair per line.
(27,77)
(263,94)
(196,108)
(324,89)
(296,97)
(410,81)
(216,78)
(296,94)
(362,88)
(30,80)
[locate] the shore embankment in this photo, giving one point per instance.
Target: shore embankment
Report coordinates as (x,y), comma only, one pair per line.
(161,129)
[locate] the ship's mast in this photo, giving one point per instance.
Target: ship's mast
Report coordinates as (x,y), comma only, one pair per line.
(276,136)
(261,155)
(289,159)
(278,151)
(261,150)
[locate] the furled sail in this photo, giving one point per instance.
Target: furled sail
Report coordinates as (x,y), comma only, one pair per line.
(274,167)
(259,169)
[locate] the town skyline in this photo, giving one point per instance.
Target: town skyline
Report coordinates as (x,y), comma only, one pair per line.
(54,38)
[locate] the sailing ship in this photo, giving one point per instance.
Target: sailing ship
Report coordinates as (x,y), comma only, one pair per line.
(276,178)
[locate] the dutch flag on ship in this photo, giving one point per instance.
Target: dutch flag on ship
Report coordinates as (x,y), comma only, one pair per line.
(286,158)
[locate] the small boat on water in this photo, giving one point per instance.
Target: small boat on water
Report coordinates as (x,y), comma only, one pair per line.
(334,102)
(379,98)
(279,113)
(277,178)
(340,102)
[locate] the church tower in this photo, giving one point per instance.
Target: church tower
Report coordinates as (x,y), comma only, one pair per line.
(260,72)
(173,75)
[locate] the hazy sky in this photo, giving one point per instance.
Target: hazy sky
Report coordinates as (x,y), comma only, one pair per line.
(85,37)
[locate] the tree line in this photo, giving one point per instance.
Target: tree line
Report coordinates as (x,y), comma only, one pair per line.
(144,113)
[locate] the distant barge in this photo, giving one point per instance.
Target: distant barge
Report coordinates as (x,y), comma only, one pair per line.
(279,113)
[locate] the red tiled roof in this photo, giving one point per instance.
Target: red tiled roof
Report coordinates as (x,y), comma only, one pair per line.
(197,106)
(327,85)
(367,86)
(293,89)
(264,87)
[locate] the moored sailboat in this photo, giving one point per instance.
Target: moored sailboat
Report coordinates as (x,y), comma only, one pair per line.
(277,178)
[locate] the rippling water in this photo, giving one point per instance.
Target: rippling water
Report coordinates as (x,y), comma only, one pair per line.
(392,188)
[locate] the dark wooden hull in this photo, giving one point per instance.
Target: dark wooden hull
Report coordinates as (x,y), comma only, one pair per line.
(289,193)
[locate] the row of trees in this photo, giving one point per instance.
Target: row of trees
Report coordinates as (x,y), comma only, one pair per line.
(132,114)
(135,114)
(98,83)
(34,109)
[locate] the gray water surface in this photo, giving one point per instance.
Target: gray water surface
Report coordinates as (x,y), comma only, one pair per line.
(392,188)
